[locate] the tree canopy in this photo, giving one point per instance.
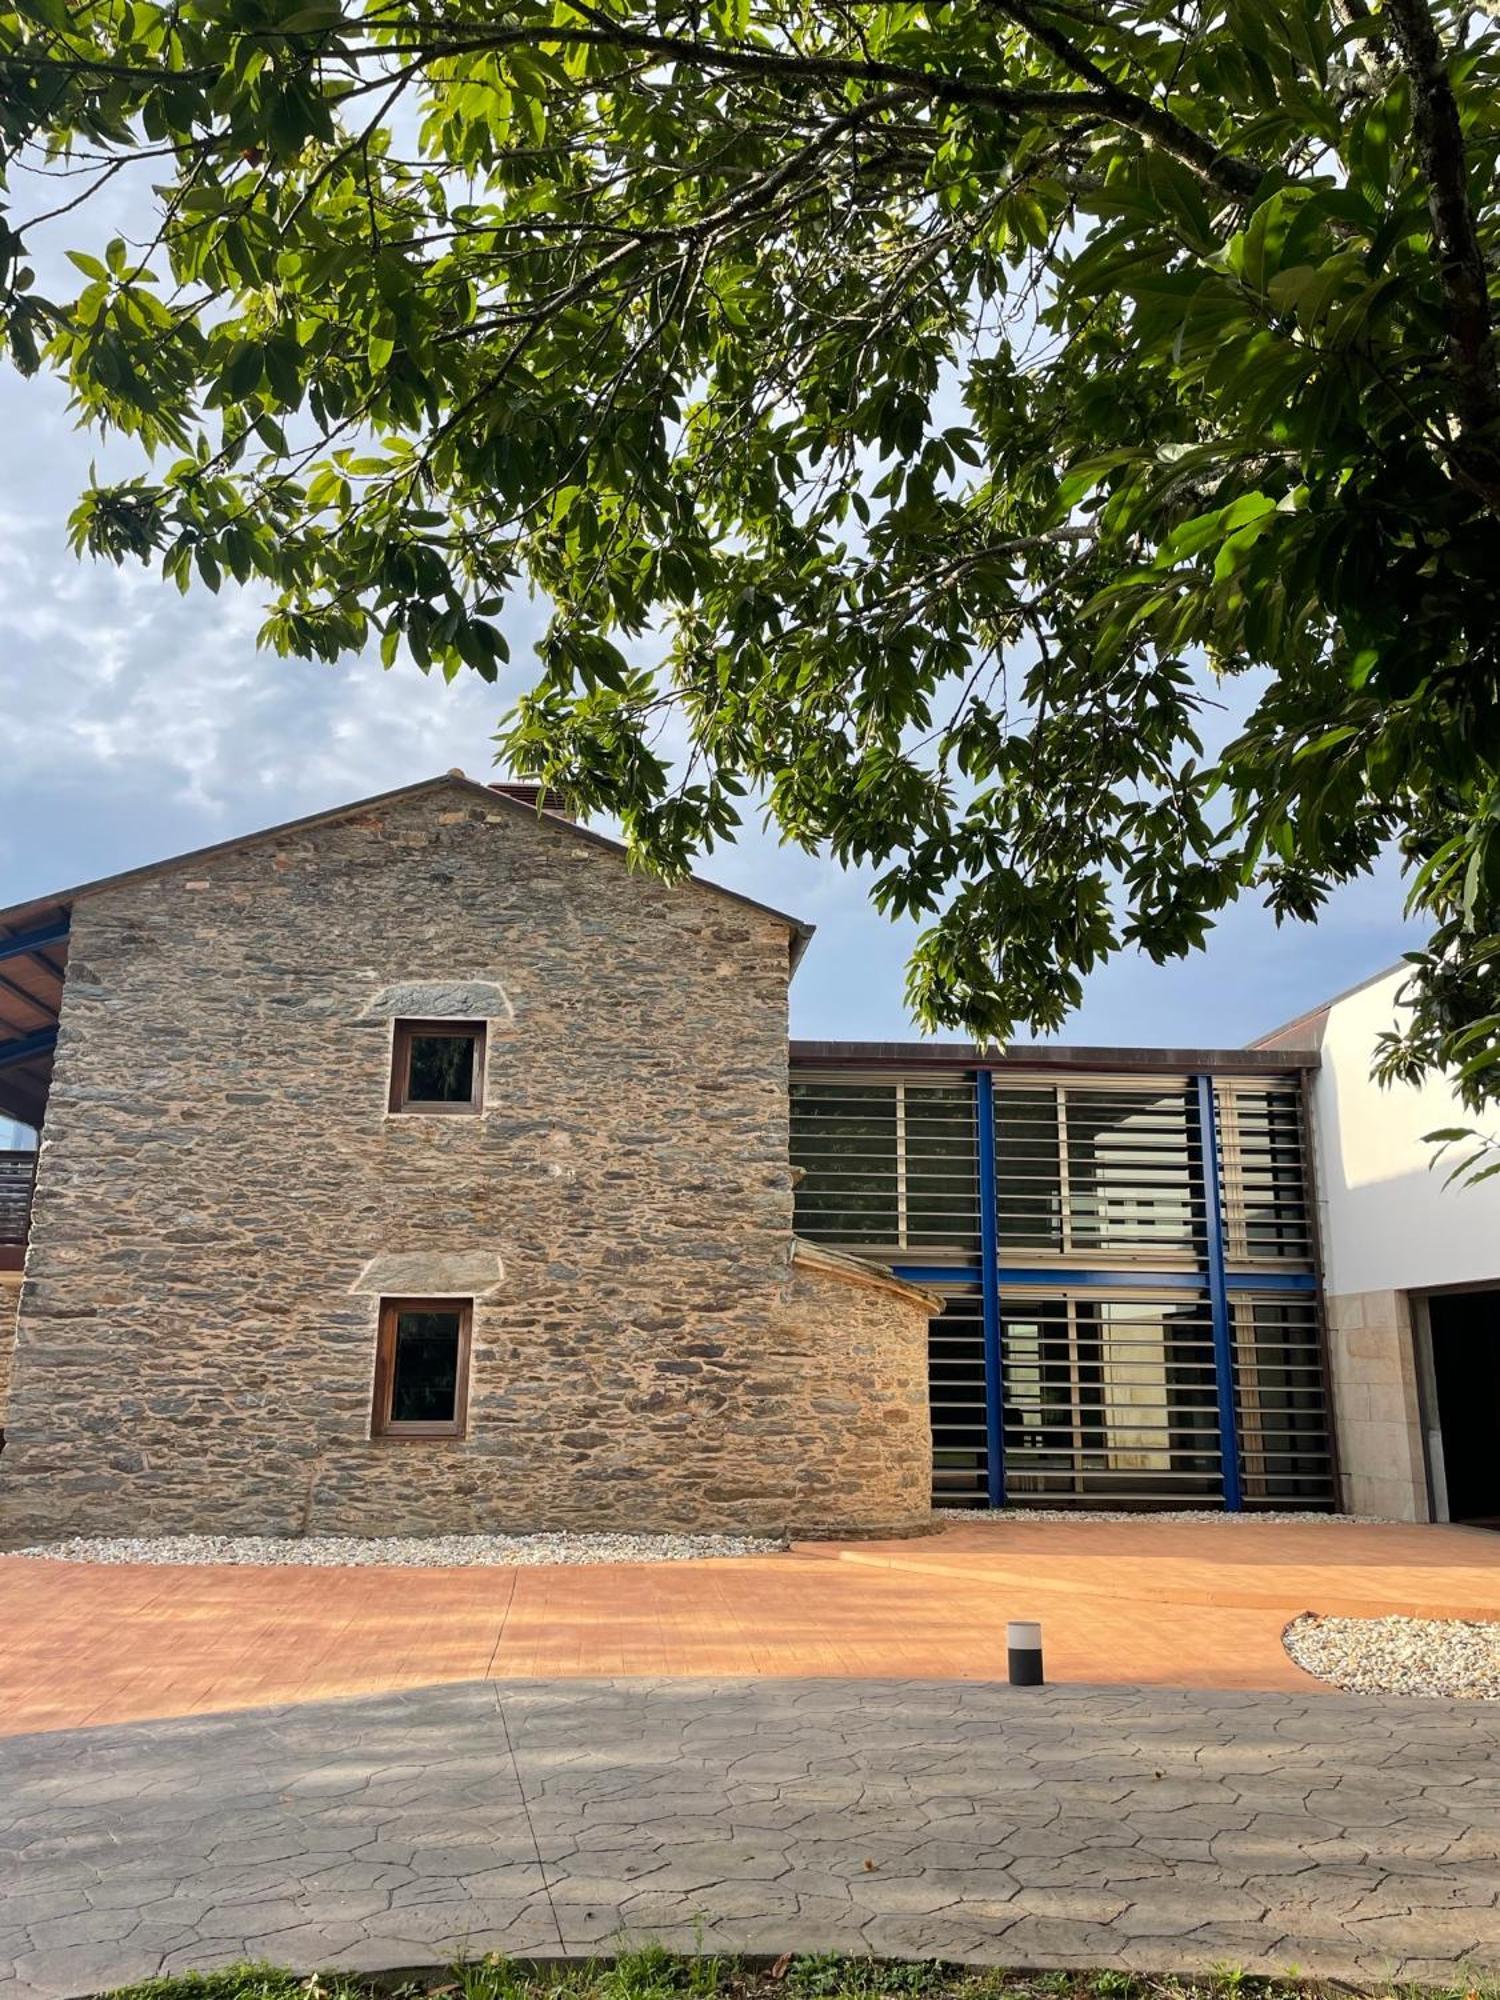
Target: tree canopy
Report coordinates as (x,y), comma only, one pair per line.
(921,412)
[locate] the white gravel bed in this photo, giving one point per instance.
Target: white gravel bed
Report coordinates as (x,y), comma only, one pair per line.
(1212,1516)
(1436,1656)
(400,1551)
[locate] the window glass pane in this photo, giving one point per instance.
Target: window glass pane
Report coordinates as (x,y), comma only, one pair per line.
(1110,1398)
(1037,1379)
(442,1069)
(1278,1392)
(1265,1194)
(424,1383)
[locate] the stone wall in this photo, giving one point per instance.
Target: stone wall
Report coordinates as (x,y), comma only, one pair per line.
(223,1195)
(10,1293)
(866,1402)
(1377,1417)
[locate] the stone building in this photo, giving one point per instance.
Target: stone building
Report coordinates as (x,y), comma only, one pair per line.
(418,1166)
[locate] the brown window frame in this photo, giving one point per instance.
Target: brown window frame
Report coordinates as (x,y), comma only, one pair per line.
(381,1425)
(401,1041)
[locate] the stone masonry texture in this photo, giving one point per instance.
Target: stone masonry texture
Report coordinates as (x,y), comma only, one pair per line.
(220,1172)
(10,1293)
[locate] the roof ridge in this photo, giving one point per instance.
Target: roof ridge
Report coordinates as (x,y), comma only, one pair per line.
(1322,1006)
(19,913)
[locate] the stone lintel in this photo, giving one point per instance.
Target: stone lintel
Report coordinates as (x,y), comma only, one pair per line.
(440,1000)
(419,1274)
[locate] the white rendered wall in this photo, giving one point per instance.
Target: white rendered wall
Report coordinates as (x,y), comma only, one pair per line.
(1388,1222)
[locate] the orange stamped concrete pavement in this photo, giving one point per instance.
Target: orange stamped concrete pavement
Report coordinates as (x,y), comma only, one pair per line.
(1195,1604)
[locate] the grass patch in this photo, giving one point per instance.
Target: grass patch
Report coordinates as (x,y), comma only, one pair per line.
(655,1974)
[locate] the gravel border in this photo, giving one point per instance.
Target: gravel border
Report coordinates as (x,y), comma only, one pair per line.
(400,1551)
(1426,1656)
(535,1550)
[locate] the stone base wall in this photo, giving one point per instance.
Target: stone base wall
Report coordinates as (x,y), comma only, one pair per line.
(1377,1416)
(812,1420)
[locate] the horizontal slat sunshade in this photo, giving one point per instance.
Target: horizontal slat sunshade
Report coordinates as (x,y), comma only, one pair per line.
(1109,1399)
(1281,1402)
(960,1455)
(886,1165)
(1267,1202)
(17,1174)
(1090,1171)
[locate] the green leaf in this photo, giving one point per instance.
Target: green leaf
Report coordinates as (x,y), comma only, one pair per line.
(311,16)
(934,465)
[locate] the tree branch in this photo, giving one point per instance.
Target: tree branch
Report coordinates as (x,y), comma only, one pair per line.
(1238,179)
(1455,241)
(440,40)
(606,33)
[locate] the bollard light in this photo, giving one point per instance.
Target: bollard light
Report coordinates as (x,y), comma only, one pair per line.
(1023,1644)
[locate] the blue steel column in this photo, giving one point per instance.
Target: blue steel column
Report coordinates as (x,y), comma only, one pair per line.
(1218,1296)
(989,1262)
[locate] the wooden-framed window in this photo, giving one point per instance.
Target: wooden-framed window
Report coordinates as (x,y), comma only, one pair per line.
(422,1368)
(437,1066)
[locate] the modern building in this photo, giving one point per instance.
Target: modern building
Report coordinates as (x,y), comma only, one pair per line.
(1411,1274)
(418,1166)
(1125,1242)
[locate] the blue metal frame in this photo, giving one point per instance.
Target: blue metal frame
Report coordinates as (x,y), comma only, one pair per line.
(27,1046)
(1272,1281)
(1218,1296)
(1052,1277)
(1063,1276)
(37,940)
(938,1274)
(989,1278)
(992,1277)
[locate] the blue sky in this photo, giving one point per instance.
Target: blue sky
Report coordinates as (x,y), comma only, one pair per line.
(136,723)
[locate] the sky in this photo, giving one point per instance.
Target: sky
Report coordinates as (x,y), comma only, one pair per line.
(136,723)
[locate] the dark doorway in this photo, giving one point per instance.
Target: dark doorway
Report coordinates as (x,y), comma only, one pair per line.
(1466,1370)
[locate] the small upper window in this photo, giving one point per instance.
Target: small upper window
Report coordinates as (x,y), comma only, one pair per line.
(422,1368)
(438,1066)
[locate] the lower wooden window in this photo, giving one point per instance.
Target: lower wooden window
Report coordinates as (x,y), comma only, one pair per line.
(422,1368)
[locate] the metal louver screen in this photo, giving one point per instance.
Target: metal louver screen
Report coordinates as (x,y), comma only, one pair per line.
(956,1391)
(1108,1392)
(17,1174)
(1083,1170)
(1281,1403)
(1267,1210)
(1109,1399)
(886,1166)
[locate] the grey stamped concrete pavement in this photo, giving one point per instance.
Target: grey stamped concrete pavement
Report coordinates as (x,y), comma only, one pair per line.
(1139,1828)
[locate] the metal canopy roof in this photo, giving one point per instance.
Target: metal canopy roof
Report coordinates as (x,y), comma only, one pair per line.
(1061,1056)
(33,958)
